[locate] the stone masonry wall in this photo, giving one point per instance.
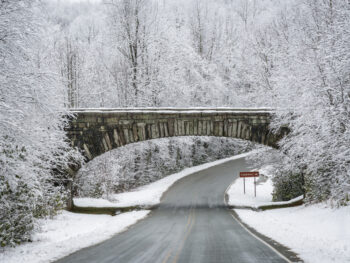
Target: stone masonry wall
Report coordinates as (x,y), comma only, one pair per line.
(96,132)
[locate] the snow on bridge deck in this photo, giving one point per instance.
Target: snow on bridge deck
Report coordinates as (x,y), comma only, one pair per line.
(173,110)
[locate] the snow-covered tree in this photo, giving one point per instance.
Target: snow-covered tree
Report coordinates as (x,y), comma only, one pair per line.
(32,117)
(141,163)
(305,54)
(290,55)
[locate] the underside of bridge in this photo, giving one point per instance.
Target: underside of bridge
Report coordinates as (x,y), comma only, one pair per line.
(96,131)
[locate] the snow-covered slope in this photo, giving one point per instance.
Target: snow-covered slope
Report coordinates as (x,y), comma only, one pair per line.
(67,233)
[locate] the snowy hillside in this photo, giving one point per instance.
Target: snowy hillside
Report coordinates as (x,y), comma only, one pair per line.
(141,163)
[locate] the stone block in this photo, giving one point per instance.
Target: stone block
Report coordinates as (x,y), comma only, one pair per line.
(166,130)
(87,151)
(171,127)
(116,137)
(200,127)
(155,131)
(126,135)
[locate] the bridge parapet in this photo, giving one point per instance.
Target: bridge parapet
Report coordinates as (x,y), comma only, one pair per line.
(96,131)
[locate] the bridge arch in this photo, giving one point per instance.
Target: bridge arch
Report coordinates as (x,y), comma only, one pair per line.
(96,131)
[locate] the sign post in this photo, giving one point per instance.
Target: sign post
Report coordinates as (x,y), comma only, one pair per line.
(244,185)
(249,174)
(254,187)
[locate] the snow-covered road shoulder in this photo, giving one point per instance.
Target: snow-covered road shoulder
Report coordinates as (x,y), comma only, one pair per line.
(316,233)
(67,233)
(263,200)
(237,198)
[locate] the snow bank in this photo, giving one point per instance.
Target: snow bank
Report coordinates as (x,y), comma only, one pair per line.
(264,188)
(67,233)
(93,202)
(316,233)
(236,197)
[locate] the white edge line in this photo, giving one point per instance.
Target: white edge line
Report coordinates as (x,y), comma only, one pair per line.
(262,241)
(252,234)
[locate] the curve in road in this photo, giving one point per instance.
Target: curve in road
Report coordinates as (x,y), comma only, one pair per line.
(191,225)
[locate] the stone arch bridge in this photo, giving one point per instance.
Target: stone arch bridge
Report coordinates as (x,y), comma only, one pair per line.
(96,131)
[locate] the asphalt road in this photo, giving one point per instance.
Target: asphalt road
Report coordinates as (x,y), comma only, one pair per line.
(191,225)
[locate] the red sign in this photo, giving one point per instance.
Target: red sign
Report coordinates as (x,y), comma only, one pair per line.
(248,174)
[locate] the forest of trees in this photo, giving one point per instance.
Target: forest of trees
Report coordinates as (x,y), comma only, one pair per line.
(291,55)
(133,165)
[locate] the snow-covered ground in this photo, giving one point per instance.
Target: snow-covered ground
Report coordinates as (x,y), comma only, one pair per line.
(150,194)
(263,191)
(67,233)
(317,233)
(94,202)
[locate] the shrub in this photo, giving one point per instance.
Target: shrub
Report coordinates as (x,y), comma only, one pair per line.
(288,186)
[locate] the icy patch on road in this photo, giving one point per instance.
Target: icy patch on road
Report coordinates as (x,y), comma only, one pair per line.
(67,233)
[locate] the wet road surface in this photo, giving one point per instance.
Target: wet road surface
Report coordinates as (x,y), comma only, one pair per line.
(191,225)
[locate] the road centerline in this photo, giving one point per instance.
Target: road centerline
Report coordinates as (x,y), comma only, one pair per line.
(207,235)
(186,235)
